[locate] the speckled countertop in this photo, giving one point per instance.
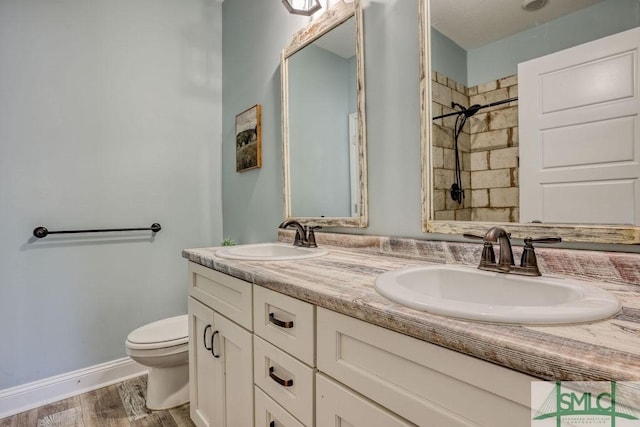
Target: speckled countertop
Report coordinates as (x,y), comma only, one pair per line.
(343,281)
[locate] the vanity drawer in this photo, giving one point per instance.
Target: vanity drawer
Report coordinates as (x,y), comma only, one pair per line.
(420,381)
(285,379)
(227,295)
(338,406)
(268,411)
(286,322)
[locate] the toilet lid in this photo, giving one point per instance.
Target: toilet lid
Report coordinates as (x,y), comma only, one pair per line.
(171,331)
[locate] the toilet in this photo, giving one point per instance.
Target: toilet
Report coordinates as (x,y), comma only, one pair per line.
(162,346)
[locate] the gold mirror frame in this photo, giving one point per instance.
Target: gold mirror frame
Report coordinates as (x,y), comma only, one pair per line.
(584,233)
(332,18)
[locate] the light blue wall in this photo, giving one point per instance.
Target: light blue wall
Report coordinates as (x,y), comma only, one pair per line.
(109,117)
(319,132)
(501,58)
(448,58)
(254,34)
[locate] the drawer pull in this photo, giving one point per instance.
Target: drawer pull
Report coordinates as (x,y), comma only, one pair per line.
(204,337)
(277,322)
(272,424)
(284,383)
(213,352)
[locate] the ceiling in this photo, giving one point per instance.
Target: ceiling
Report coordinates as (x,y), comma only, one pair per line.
(474,23)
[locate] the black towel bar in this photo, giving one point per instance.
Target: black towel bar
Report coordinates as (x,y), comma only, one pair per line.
(41,232)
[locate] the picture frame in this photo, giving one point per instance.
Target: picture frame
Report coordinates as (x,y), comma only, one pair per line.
(249,139)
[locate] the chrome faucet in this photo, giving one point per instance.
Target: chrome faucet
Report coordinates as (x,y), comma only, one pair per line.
(528,263)
(302,238)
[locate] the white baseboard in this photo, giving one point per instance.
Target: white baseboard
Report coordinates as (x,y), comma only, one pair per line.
(31,395)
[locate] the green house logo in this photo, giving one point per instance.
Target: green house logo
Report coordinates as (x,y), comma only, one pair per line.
(575,403)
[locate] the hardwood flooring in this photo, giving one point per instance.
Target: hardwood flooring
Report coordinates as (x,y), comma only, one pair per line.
(118,405)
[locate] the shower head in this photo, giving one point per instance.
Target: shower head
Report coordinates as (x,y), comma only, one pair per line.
(468,112)
(472,110)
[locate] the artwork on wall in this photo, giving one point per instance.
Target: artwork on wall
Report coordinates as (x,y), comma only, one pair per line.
(249,139)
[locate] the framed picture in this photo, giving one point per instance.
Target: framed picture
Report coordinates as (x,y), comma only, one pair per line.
(249,139)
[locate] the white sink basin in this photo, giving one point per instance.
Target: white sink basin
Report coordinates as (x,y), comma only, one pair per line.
(469,293)
(269,252)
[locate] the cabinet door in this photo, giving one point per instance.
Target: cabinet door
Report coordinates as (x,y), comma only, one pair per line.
(220,369)
(336,406)
(201,364)
(234,365)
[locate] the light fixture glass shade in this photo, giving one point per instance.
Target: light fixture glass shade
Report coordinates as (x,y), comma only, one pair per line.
(302,7)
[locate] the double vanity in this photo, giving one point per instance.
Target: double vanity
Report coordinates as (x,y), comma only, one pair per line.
(277,341)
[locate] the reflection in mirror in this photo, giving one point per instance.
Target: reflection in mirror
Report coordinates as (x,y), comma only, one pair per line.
(322,98)
(323,121)
(487,164)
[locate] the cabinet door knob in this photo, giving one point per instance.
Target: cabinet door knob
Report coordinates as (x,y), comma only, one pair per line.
(284,383)
(213,336)
(280,323)
(204,337)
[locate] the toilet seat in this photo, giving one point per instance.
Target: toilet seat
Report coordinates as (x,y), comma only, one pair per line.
(164,333)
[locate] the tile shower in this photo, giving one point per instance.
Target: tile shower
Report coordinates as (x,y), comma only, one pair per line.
(488,148)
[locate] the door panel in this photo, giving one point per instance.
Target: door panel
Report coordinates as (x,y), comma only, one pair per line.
(579,134)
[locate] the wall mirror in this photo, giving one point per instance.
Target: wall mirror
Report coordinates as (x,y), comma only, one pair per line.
(486,150)
(323,121)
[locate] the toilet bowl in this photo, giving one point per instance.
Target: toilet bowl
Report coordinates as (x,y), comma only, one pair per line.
(162,346)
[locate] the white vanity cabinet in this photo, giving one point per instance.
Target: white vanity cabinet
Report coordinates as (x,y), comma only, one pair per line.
(299,365)
(220,349)
(284,360)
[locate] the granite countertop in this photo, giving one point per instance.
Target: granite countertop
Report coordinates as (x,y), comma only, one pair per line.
(343,281)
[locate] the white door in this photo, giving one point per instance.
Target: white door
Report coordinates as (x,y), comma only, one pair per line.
(579,134)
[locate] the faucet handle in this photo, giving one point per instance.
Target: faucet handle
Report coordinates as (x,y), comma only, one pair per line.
(529,262)
(543,240)
(311,238)
(488,256)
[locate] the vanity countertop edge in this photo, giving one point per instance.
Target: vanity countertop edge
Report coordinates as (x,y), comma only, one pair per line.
(343,281)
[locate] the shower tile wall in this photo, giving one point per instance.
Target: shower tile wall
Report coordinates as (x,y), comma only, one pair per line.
(445,91)
(489,151)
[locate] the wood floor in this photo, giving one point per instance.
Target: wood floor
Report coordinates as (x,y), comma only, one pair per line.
(119,405)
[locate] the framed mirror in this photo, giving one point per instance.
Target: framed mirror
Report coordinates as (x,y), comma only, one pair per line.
(485,99)
(323,121)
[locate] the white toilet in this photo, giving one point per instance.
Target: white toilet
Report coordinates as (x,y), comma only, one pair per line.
(163,347)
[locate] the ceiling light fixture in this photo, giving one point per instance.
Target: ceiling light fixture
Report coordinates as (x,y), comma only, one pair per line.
(531,5)
(302,7)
